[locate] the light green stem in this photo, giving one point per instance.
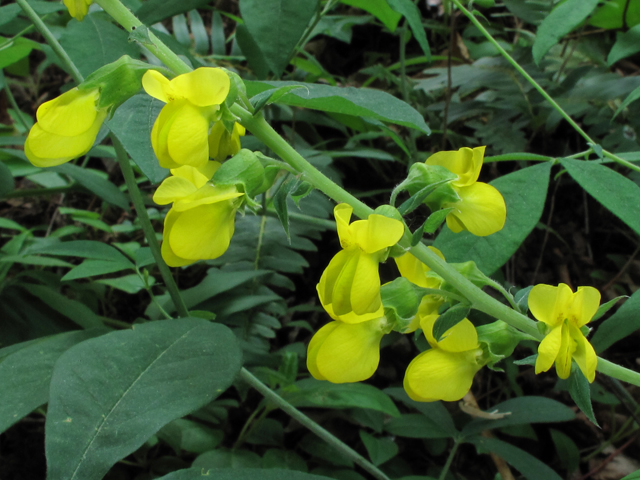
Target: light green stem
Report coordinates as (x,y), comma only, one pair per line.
(619,372)
(147,228)
(51,40)
(130,22)
(541,90)
(447,465)
(296,414)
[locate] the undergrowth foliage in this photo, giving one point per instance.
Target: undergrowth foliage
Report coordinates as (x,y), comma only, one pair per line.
(313,239)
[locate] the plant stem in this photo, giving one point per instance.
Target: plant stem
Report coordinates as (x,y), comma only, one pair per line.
(618,371)
(447,465)
(541,90)
(296,414)
(51,40)
(147,228)
(14,104)
(130,23)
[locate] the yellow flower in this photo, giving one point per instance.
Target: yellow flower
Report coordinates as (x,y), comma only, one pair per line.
(77,8)
(223,144)
(349,288)
(342,352)
(564,312)
(417,272)
(180,133)
(66,128)
(481,209)
(446,371)
(201,222)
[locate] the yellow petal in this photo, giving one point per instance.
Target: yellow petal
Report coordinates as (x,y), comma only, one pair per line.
(197,176)
(204,232)
(168,255)
(377,232)
(329,276)
(157,85)
(187,141)
(459,338)
(357,285)
(203,87)
(350,353)
(584,306)
(77,8)
(215,136)
(160,135)
(71,114)
(548,349)
(466,163)
(584,355)
(342,212)
(567,347)
(414,270)
(207,195)
(550,304)
(481,210)
(440,375)
(172,189)
(314,347)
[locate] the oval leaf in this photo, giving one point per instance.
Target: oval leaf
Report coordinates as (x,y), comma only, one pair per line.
(110,394)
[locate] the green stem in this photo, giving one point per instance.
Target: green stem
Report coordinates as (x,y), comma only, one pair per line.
(147,228)
(447,465)
(130,22)
(51,40)
(541,90)
(14,104)
(296,414)
(619,372)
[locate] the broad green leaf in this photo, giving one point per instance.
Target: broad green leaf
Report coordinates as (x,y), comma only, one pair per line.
(270,96)
(562,20)
(34,260)
(132,124)
(277,26)
(91,268)
(15,50)
(6,180)
(26,371)
(228,459)
(94,42)
(605,307)
(411,12)
(567,450)
(524,192)
(109,395)
(95,184)
(522,410)
(190,436)
(81,248)
(632,97)
(358,102)
(380,450)
(435,411)
(627,44)
(129,283)
(379,9)
(610,14)
(252,52)
(153,11)
(314,393)
(616,193)
(619,325)
(241,474)
(529,466)
(287,459)
(581,393)
(200,35)
(415,425)
(73,309)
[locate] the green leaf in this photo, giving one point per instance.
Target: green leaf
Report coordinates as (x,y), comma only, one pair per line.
(94,42)
(129,283)
(230,460)
(153,11)
(268,97)
(76,311)
(609,15)
(632,97)
(380,450)
(252,52)
(528,465)
(95,184)
(190,436)
(287,459)
(314,393)
(276,26)
(132,124)
(449,319)
(280,203)
(110,394)
(524,192)
(411,12)
(6,180)
(562,20)
(241,473)
(567,450)
(359,102)
(26,371)
(15,49)
(627,44)
(522,410)
(415,425)
(632,476)
(379,9)
(81,248)
(616,193)
(620,325)
(91,268)
(581,393)
(605,307)
(434,411)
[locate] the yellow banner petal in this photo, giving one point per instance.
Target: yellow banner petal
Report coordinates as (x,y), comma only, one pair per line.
(70,114)
(549,304)
(203,87)
(548,349)
(157,85)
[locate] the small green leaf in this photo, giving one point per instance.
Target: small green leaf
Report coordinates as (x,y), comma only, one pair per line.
(567,450)
(379,9)
(632,97)
(95,184)
(411,12)
(434,220)
(415,425)
(268,97)
(449,319)
(243,170)
(580,392)
(605,307)
(627,44)
(620,325)
(280,203)
(380,450)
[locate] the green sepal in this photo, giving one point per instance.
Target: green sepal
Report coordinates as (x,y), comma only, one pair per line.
(422,176)
(498,340)
(280,202)
(301,191)
(117,81)
(449,319)
(435,220)
(388,211)
(243,170)
(401,300)
(237,88)
(521,298)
